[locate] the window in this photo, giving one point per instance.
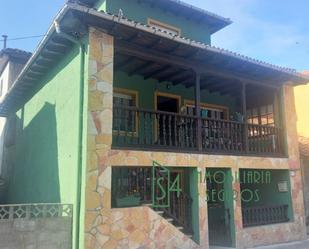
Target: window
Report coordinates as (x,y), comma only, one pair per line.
(131,186)
(208,111)
(164,27)
(263,115)
(125,118)
(1,87)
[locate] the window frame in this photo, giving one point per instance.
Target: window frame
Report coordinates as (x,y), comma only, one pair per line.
(259,115)
(224,109)
(164,26)
(135,95)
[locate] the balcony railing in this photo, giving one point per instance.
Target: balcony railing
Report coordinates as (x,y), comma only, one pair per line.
(148,129)
(256,216)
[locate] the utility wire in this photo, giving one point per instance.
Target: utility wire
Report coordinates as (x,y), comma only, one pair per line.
(23,38)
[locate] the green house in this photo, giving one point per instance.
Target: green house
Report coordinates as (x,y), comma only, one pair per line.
(127,112)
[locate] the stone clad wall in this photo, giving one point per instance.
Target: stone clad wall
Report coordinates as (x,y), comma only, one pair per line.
(296,229)
(116,228)
(140,227)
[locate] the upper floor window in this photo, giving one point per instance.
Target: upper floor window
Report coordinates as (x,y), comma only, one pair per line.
(263,115)
(164,27)
(209,111)
(125,120)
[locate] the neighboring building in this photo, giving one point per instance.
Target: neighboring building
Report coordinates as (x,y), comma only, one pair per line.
(11,63)
(301,100)
(118,88)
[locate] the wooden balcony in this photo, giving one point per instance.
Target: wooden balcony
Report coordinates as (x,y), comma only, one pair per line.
(136,128)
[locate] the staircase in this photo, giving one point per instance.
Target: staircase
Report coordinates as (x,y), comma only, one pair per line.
(178,213)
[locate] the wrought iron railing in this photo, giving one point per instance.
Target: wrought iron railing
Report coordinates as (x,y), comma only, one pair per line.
(147,129)
(256,216)
(180,210)
(179,207)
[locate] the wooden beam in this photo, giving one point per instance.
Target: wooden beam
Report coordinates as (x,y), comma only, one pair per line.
(164,68)
(173,49)
(163,58)
(171,75)
(124,63)
(137,69)
(42,67)
(59,44)
(222,86)
(235,90)
(198,110)
(184,80)
(211,83)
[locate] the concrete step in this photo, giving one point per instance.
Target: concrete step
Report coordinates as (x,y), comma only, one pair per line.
(170,220)
(159,212)
(147,205)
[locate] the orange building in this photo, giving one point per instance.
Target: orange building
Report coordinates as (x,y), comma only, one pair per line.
(301,103)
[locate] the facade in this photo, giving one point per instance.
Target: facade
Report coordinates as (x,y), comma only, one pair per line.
(11,63)
(156,138)
(301,96)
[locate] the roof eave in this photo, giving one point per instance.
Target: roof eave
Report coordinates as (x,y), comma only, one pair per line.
(219,22)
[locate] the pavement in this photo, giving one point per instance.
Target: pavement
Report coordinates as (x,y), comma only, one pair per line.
(291,245)
(304,244)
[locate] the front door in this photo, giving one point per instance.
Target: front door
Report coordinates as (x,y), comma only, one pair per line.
(166,123)
(220,207)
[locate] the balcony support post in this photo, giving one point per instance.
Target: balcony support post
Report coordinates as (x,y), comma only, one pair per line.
(198,110)
(244,113)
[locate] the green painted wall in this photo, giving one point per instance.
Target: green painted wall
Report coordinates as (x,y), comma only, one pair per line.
(268,191)
(193,190)
(139,11)
(47,158)
(147,88)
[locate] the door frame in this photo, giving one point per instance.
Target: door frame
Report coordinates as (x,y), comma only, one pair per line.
(229,201)
(168,95)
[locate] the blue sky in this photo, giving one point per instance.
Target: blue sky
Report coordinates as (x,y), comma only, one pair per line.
(275,31)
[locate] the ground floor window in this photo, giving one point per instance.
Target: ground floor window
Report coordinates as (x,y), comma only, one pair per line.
(125,120)
(265,197)
(131,186)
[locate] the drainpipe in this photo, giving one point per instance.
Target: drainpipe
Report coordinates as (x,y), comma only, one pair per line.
(80,135)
